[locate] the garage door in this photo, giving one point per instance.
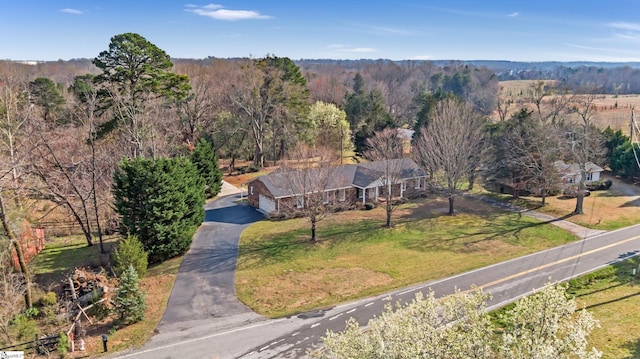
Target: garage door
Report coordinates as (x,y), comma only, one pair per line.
(266,205)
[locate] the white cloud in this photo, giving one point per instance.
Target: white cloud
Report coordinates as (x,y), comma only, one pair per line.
(345,48)
(218,12)
(514,14)
(71,11)
(625,26)
(625,32)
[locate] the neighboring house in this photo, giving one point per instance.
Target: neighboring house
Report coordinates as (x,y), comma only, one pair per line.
(407,137)
(570,173)
(348,185)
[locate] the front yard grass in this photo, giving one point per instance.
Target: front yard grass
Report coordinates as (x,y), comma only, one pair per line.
(612,295)
(607,210)
(280,272)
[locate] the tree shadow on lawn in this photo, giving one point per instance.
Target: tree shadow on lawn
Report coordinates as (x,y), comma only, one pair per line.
(497,227)
(275,250)
(282,248)
(633,346)
(621,276)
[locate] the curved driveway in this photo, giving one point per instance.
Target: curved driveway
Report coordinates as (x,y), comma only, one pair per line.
(204,288)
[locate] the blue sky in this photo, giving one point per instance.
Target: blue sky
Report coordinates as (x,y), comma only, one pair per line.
(535,30)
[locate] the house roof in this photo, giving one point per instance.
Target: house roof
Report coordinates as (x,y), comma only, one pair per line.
(368,174)
(571,169)
(405,133)
(362,175)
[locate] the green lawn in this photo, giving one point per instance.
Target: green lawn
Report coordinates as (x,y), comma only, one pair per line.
(63,254)
(612,294)
(280,272)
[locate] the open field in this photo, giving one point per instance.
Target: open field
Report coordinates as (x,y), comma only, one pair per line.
(280,272)
(610,110)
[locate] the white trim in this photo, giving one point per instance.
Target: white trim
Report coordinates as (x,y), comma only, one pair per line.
(325,197)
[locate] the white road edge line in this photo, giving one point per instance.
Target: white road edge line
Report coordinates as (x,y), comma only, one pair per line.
(294,334)
(406,291)
(352,310)
(368,304)
(195,339)
(336,317)
(314,325)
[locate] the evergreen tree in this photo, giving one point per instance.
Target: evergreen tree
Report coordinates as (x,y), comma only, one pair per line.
(129,300)
(205,159)
(161,202)
(48,96)
(130,252)
(366,113)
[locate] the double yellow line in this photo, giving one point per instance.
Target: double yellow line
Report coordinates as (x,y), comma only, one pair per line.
(528,271)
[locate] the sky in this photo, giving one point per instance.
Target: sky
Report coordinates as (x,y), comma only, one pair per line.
(535,30)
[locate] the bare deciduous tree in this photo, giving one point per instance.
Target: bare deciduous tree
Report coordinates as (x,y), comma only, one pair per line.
(387,147)
(15,112)
(309,175)
(448,147)
(64,169)
(583,141)
(529,149)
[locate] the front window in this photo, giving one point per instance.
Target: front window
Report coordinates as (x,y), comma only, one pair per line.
(342,195)
(251,190)
(404,186)
(417,183)
(325,197)
(299,201)
(588,176)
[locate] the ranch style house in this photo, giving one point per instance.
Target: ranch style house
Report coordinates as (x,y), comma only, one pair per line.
(348,186)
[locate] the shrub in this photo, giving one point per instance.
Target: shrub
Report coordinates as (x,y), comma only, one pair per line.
(49,299)
(63,344)
(129,300)
(369,206)
(599,185)
(130,252)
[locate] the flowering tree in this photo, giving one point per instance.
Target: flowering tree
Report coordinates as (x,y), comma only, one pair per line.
(544,325)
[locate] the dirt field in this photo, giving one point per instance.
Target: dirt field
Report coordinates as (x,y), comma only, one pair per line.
(610,110)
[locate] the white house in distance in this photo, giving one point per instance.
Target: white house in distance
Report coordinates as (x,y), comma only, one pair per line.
(570,173)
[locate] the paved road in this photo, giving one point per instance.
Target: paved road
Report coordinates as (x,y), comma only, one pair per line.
(506,281)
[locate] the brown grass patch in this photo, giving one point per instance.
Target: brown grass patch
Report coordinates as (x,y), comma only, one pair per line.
(299,289)
(614,208)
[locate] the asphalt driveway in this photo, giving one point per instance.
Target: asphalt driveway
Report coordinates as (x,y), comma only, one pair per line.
(204,288)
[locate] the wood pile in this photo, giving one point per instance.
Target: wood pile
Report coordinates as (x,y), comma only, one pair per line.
(83,286)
